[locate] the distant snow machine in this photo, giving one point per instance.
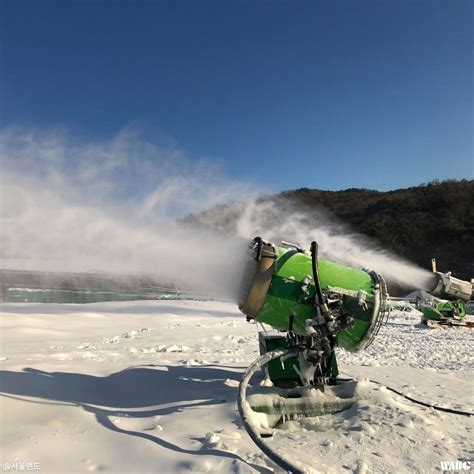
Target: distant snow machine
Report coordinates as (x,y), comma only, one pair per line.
(313,305)
(442,312)
(447,304)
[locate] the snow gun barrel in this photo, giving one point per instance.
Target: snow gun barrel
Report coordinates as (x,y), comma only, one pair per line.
(296,291)
(449,287)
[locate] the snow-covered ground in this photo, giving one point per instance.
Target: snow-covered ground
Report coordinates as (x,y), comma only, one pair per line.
(152,387)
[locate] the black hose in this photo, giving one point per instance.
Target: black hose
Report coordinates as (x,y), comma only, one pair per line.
(244,410)
(317,284)
(414,400)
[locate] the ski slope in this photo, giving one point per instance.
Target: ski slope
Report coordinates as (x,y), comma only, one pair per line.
(151,387)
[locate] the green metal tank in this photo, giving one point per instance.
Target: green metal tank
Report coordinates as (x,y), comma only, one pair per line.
(280,284)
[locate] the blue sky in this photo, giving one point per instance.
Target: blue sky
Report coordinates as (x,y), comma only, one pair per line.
(319,94)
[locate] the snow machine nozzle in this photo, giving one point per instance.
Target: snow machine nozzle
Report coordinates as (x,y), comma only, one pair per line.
(451,288)
(257,277)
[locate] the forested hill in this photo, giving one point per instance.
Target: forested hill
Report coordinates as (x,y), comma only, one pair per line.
(430,220)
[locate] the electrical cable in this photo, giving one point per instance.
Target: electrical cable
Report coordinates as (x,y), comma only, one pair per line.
(453,411)
(256,436)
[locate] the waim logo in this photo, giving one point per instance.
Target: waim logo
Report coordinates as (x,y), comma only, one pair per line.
(455,466)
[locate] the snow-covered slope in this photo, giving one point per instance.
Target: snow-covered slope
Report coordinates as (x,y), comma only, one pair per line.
(151,387)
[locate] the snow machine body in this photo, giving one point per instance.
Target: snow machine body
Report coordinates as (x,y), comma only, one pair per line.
(295,291)
(313,305)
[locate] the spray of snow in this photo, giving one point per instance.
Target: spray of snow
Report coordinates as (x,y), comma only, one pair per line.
(111,207)
(282,219)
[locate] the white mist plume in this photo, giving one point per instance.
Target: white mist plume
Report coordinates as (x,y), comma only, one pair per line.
(143,178)
(281,219)
(110,207)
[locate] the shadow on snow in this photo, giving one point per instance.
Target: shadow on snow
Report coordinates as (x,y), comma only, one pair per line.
(136,392)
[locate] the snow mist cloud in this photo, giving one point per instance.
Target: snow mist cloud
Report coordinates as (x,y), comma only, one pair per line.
(110,207)
(337,242)
(283,219)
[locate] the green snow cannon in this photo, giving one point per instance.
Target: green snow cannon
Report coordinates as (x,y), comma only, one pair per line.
(319,303)
(448,299)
